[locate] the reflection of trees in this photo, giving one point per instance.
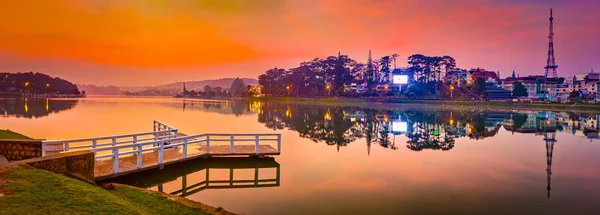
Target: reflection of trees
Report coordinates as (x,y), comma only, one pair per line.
(235,107)
(317,123)
(429,131)
(34,108)
(435,130)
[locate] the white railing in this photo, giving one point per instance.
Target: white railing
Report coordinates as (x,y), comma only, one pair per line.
(184,142)
(159,126)
(57,146)
(163,137)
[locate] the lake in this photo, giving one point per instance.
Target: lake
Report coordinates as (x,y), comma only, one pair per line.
(353,160)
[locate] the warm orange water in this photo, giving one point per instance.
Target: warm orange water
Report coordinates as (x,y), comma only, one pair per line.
(494,171)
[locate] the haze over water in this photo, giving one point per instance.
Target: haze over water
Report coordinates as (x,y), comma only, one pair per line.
(352,160)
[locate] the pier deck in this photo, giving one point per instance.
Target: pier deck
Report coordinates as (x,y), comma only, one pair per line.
(123,154)
(104,168)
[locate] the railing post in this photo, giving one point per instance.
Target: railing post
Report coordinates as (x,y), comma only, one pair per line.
(114,143)
(155,138)
(94,143)
(134,141)
(154,126)
(231,144)
(176,132)
(207,144)
(279,143)
(139,156)
(257,148)
(161,152)
(115,161)
(43,149)
(66,147)
(185,146)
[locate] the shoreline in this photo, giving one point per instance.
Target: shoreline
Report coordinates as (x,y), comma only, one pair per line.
(450,104)
(19,183)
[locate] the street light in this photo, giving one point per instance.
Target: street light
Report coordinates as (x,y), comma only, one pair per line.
(328,87)
(27,83)
(288,87)
(451,90)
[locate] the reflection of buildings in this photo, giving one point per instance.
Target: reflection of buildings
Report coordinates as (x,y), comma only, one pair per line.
(490,127)
(192,184)
(33,108)
(543,124)
(538,123)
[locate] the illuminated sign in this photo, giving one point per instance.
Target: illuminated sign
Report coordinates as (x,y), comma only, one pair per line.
(400,79)
(398,126)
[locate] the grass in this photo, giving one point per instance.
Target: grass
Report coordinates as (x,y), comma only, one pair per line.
(6,134)
(28,190)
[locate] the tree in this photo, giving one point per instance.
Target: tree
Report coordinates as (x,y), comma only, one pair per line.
(519,120)
(479,86)
(208,90)
(519,90)
(385,62)
(238,88)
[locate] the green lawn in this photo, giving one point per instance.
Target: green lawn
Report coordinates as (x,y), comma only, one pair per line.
(5,134)
(28,190)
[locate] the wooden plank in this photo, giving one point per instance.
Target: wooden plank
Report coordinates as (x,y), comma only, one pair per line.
(103,168)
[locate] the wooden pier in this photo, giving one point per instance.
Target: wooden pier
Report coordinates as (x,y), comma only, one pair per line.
(124,154)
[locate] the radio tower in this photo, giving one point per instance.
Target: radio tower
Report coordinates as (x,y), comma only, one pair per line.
(551,64)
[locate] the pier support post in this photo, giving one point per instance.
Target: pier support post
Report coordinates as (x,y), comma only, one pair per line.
(256,139)
(231,144)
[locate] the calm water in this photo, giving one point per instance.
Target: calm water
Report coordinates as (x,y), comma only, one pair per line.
(348,160)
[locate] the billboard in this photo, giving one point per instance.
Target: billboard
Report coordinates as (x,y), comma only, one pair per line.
(399,126)
(400,79)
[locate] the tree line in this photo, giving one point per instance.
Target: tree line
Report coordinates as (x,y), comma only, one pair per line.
(37,83)
(326,77)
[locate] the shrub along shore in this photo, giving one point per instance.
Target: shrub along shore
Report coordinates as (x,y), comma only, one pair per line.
(382,102)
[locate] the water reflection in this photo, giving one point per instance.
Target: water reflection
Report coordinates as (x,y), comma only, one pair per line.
(424,129)
(235,107)
(33,108)
(198,175)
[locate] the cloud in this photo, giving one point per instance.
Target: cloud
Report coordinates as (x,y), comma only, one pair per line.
(194,38)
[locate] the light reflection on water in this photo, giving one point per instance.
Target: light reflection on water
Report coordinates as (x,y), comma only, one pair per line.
(355,160)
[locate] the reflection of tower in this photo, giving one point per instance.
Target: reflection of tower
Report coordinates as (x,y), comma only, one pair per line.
(551,63)
(370,67)
(549,137)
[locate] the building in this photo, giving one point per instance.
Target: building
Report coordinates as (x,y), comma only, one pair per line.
(355,85)
(488,76)
(563,91)
(588,84)
(457,78)
(538,87)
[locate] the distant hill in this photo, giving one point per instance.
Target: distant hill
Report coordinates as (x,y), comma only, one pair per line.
(224,83)
(91,89)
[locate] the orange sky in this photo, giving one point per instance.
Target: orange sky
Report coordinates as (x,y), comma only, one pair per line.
(138,42)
